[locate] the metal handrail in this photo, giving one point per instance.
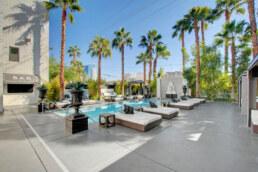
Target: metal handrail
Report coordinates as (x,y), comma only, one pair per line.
(66,109)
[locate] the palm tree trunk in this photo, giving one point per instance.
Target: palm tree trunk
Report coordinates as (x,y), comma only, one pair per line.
(123,76)
(150,61)
(203,36)
(144,72)
(74,57)
(62,54)
(233,53)
(227,15)
(155,67)
(99,76)
(183,47)
(253,26)
(197,58)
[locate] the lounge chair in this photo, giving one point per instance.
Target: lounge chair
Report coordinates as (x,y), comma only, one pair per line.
(118,98)
(129,97)
(139,120)
(62,104)
(165,112)
(140,96)
(198,99)
(180,105)
(88,102)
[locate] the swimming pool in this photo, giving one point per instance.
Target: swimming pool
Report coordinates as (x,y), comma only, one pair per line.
(94,111)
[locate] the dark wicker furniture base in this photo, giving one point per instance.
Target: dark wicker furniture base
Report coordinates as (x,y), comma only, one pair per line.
(138,126)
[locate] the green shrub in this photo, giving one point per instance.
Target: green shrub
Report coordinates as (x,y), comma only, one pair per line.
(53,87)
(224,100)
(93,88)
(118,87)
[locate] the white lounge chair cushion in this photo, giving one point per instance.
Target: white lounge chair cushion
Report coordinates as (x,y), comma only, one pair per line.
(198,99)
(138,117)
(183,103)
(161,110)
(140,96)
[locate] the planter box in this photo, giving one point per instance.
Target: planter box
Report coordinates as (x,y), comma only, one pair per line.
(76,125)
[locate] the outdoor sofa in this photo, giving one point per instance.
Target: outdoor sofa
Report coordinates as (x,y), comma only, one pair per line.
(139,120)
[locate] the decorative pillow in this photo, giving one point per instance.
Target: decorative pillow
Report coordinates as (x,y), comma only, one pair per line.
(184,98)
(128,109)
(153,105)
(174,100)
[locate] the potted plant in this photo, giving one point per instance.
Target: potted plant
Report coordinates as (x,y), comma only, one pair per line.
(184,89)
(42,91)
(42,95)
(76,94)
(76,122)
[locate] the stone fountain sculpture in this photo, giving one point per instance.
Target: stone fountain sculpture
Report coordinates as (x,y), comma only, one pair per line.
(171,92)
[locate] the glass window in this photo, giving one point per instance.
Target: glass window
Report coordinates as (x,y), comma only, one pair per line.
(19,88)
(13,54)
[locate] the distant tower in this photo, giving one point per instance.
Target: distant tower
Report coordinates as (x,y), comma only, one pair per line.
(93,73)
(88,68)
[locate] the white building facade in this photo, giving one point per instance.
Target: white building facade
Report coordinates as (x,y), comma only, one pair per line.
(24,51)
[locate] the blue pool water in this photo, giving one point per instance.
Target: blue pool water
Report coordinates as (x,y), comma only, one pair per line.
(94,111)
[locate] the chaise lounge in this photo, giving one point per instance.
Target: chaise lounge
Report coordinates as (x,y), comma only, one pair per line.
(165,112)
(180,105)
(139,120)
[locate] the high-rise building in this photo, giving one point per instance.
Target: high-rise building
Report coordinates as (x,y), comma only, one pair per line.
(93,73)
(87,69)
(128,76)
(138,76)
(24,51)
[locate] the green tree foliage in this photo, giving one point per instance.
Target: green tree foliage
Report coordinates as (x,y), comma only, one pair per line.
(161,72)
(78,70)
(54,68)
(190,75)
(53,92)
(118,87)
(93,88)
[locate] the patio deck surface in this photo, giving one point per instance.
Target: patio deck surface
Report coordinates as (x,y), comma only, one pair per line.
(211,137)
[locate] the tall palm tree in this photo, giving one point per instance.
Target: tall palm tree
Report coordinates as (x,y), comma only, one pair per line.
(73,51)
(100,47)
(251,12)
(231,32)
(195,16)
(180,28)
(161,53)
(143,58)
(122,38)
(149,42)
(66,6)
(228,7)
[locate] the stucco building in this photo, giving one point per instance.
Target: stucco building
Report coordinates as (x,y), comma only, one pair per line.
(24,51)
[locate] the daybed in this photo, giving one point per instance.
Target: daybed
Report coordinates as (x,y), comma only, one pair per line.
(165,112)
(139,120)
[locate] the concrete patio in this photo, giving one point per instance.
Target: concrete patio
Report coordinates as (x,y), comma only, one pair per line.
(211,137)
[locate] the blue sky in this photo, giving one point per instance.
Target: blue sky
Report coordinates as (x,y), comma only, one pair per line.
(103,17)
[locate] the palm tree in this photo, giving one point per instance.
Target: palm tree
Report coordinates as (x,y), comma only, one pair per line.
(251,12)
(73,51)
(65,5)
(149,42)
(181,27)
(143,58)
(161,53)
(122,38)
(195,16)
(228,7)
(100,47)
(231,32)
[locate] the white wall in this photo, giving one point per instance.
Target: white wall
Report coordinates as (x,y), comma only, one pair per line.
(33,56)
